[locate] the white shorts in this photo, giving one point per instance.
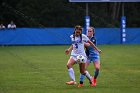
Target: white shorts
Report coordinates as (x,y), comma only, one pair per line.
(75,59)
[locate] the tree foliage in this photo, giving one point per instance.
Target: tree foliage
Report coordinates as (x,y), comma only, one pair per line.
(61,13)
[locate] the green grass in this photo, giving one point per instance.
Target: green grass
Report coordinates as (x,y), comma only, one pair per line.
(42,69)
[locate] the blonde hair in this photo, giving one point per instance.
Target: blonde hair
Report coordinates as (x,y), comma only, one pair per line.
(93,29)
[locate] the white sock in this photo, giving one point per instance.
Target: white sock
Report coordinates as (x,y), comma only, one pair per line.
(71,74)
(88,75)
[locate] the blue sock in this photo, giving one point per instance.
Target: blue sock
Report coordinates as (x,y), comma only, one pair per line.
(82,77)
(96,73)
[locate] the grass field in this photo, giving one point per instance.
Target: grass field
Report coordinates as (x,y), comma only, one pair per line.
(42,69)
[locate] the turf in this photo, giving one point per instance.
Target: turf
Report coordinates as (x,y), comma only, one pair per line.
(42,69)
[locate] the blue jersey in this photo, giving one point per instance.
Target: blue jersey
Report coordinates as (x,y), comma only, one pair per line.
(91,53)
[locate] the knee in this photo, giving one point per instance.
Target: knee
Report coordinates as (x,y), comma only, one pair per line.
(82,72)
(97,69)
(68,66)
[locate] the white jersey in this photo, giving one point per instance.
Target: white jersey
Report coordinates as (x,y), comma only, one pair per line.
(78,45)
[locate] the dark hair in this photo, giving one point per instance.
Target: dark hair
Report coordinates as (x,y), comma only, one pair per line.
(78,27)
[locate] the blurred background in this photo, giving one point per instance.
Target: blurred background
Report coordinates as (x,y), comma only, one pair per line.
(62,13)
(38,22)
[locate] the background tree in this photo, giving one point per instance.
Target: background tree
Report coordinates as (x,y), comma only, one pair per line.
(61,13)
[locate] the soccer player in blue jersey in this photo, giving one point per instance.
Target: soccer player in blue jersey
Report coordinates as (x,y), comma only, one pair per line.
(77,48)
(92,56)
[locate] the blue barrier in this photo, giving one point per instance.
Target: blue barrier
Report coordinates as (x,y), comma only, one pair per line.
(108,35)
(43,36)
(35,36)
(133,36)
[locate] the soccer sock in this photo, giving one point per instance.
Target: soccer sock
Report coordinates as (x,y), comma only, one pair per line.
(82,77)
(96,73)
(88,76)
(71,74)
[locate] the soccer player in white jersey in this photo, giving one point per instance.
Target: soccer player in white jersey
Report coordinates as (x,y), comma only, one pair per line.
(77,48)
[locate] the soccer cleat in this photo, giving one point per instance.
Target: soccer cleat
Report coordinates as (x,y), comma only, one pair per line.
(92,85)
(80,85)
(71,83)
(93,81)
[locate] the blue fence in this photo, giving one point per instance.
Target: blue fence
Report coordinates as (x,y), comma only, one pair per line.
(43,36)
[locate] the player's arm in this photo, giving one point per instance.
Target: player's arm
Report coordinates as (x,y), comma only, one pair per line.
(67,51)
(86,44)
(94,46)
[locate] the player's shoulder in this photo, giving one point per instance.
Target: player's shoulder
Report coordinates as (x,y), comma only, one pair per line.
(83,35)
(93,38)
(71,36)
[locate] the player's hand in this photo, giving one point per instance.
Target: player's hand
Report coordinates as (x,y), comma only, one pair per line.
(66,51)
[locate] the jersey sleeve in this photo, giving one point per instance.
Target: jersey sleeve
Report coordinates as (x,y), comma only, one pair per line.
(71,36)
(72,39)
(85,38)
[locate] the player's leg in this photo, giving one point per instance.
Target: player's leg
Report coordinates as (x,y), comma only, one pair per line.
(96,72)
(85,73)
(97,68)
(70,64)
(82,77)
(86,66)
